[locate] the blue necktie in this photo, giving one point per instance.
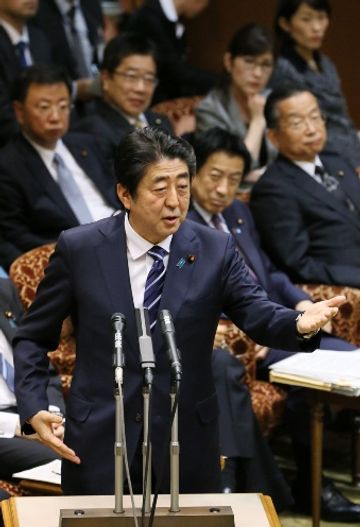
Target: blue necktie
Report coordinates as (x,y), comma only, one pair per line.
(20,49)
(8,372)
(71,191)
(155,283)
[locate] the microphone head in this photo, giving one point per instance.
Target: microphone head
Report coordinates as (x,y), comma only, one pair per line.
(166,321)
(118,322)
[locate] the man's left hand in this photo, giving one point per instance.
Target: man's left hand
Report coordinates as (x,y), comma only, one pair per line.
(318,314)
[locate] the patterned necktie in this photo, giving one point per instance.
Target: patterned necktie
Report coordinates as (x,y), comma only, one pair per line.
(332,185)
(216,221)
(8,372)
(20,49)
(83,67)
(71,191)
(154,283)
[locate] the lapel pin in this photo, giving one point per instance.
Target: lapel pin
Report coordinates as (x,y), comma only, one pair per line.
(158,121)
(181,263)
(84,152)
(191,258)
(239,221)
(237,230)
(340,173)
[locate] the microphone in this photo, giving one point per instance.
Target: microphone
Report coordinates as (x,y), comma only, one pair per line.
(118,325)
(147,357)
(168,331)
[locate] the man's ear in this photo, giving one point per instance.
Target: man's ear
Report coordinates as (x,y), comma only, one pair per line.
(124,196)
(272,136)
(227,62)
(19,111)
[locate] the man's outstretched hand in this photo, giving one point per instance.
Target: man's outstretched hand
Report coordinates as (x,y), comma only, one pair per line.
(318,314)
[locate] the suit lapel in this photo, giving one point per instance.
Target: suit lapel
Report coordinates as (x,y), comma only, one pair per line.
(238,226)
(307,184)
(112,258)
(39,172)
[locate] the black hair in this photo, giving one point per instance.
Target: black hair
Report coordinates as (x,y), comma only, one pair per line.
(217,139)
(142,148)
(275,97)
(287,8)
(38,74)
(251,39)
(125,45)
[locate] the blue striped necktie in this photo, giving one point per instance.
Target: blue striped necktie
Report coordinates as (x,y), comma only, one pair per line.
(8,372)
(155,283)
(20,50)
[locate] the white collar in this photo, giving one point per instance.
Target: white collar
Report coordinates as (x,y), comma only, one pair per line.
(137,245)
(206,215)
(13,34)
(45,153)
(169,10)
(64,6)
(309,166)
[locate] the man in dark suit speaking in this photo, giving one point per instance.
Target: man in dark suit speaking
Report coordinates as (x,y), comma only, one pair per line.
(307,204)
(103,268)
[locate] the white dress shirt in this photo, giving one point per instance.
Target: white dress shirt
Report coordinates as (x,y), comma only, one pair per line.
(16,37)
(95,202)
(207,217)
(309,167)
(169,10)
(140,262)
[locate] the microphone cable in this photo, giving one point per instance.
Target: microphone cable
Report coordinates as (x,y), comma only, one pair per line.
(126,460)
(147,459)
(165,452)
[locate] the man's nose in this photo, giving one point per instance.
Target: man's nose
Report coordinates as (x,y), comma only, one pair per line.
(172,198)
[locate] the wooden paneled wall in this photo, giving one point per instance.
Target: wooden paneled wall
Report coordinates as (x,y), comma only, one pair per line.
(211,31)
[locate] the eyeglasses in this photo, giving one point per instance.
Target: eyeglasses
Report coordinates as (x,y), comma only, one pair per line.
(134,78)
(300,123)
(45,109)
(252,64)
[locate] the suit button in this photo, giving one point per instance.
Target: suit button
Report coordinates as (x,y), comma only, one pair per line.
(138,417)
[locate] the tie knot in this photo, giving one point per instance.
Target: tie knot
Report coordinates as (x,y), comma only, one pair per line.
(21,45)
(319,170)
(157,253)
(216,221)
(58,160)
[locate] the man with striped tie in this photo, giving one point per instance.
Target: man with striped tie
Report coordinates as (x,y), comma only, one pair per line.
(109,266)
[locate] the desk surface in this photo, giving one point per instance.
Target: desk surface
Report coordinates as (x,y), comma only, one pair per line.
(255,510)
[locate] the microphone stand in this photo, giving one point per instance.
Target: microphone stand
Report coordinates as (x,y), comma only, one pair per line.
(146,451)
(119,445)
(174,454)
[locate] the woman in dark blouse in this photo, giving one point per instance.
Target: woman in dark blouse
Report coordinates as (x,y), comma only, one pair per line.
(301,26)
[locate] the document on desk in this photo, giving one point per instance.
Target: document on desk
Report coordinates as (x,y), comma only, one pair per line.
(50,473)
(335,371)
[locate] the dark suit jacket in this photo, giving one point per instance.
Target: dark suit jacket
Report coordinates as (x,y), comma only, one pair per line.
(49,20)
(41,52)
(88,278)
(9,302)
(241,225)
(306,230)
(109,126)
(33,210)
(177,77)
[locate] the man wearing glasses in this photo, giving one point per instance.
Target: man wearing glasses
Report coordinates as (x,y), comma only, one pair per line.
(128,80)
(307,204)
(49,180)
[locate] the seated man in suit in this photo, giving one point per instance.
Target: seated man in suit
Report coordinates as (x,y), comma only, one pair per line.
(49,181)
(307,204)
(21,45)
(222,161)
(17,454)
(148,256)
(128,79)
(160,21)
(74,28)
